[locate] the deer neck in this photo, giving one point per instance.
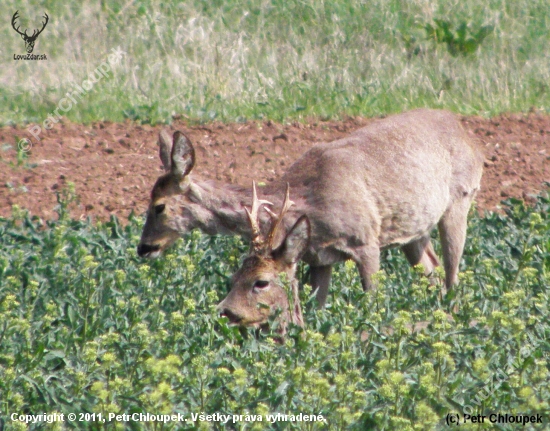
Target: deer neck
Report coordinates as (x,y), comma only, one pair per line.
(219,207)
(295,311)
(292,309)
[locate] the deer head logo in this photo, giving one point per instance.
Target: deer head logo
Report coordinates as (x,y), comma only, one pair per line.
(29,40)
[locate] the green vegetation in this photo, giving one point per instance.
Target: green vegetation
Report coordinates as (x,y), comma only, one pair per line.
(460,41)
(87,326)
(254,59)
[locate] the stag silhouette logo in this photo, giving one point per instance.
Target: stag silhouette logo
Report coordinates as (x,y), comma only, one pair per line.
(29,40)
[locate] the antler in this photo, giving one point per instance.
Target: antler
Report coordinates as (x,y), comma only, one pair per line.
(43,25)
(258,242)
(34,34)
(14,18)
(277,219)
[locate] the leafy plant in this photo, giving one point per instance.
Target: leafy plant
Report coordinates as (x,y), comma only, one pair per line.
(88,327)
(462,40)
(145,114)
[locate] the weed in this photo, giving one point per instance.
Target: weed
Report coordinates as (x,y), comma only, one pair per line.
(460,41)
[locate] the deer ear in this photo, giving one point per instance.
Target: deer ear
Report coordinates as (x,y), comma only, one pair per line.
(295,242)
(183,156)
(165,149)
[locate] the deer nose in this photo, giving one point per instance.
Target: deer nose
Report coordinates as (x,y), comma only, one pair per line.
(144,250)
(233,318)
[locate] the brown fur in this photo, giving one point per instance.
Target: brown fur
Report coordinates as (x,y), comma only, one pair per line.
(388,184)
(257,290)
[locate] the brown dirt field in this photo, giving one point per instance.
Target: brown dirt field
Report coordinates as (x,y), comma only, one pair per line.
(114,165)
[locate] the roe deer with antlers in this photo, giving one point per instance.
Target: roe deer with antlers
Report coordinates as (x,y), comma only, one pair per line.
(385,185)
(257,290)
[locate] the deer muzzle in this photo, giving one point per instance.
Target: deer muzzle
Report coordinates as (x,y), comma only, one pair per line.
(147,250)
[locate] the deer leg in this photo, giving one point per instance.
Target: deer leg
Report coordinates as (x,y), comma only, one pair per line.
(320,279)
(368,263)
(452,230)
(421,251)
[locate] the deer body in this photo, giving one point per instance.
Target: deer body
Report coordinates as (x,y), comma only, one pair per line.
(388,184)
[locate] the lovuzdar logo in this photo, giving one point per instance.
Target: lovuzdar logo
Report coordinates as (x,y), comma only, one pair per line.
(29,40)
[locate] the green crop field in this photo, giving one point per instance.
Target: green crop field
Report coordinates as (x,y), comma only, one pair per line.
(231,60)
(88,327)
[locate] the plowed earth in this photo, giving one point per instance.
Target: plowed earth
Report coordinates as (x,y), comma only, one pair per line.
(114,165)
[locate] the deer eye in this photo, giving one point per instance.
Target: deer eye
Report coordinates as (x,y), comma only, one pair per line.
(260,284)
(159,208)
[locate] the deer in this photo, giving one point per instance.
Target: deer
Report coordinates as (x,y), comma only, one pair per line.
(257,291)
(388,184)
(29,40)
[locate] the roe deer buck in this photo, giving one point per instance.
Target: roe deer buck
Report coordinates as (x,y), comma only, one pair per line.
(256,288)
(387,184)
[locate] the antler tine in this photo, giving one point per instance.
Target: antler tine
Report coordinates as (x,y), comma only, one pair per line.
(277,219)
(14,18)
(34,33)
(44,23)
(253,218)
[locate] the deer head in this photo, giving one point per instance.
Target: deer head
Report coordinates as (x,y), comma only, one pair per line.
(168,196)
(257,289)
(179,205)
(29,40)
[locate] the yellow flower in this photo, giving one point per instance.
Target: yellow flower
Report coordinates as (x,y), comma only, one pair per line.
(383,365)
(514,298)
(98,389)
(425,415)
(440,316)
(33,287)
(108,359)
(89,263)
(240,376)
(120,276)
(387,391)
(480,365)
(379,278)
(164,367)
(535,220)
(396,378)
(525,392)
(442,350)
(530,273)
(189,305)
(177,319)
(223,372)
(9,302)
(144,270)
(212,296)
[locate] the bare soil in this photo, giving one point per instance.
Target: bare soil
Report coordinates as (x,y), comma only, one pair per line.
(114,165)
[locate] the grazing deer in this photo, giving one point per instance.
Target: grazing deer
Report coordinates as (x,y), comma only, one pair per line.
(257,290)
(385,185)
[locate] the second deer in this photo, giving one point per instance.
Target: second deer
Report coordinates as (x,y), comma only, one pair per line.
(257,290)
